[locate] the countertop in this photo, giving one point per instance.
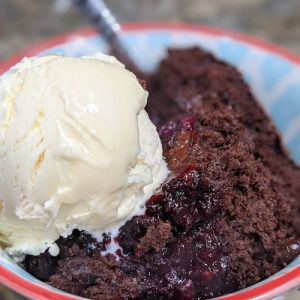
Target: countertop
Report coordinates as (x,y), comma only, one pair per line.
(23,23)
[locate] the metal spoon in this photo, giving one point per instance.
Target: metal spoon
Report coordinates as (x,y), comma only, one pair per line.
(99,15)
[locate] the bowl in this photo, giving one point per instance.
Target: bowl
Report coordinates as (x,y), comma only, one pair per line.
(272,73)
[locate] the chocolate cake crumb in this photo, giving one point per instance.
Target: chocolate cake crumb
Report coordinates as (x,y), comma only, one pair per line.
(188,78)
(155,238)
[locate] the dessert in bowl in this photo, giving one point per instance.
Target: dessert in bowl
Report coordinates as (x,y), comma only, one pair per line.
(226,216)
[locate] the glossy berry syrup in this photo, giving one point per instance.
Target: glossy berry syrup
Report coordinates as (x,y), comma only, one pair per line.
(192,265)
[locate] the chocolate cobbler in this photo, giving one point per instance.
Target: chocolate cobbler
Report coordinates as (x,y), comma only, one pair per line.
(227,216)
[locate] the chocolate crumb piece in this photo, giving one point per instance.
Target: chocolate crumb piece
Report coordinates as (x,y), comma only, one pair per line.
(155,238)
(93,277)
(226,217)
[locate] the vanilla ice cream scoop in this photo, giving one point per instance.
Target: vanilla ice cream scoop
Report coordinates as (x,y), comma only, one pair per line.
(77,150)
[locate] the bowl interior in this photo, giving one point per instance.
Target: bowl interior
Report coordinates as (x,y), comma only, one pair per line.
(275,81)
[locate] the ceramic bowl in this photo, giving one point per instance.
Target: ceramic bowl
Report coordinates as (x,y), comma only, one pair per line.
(273,74)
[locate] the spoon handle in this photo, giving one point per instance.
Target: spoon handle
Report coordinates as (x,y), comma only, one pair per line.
(99,15)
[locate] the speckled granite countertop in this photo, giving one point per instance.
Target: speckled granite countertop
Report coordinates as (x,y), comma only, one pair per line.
(25,22)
